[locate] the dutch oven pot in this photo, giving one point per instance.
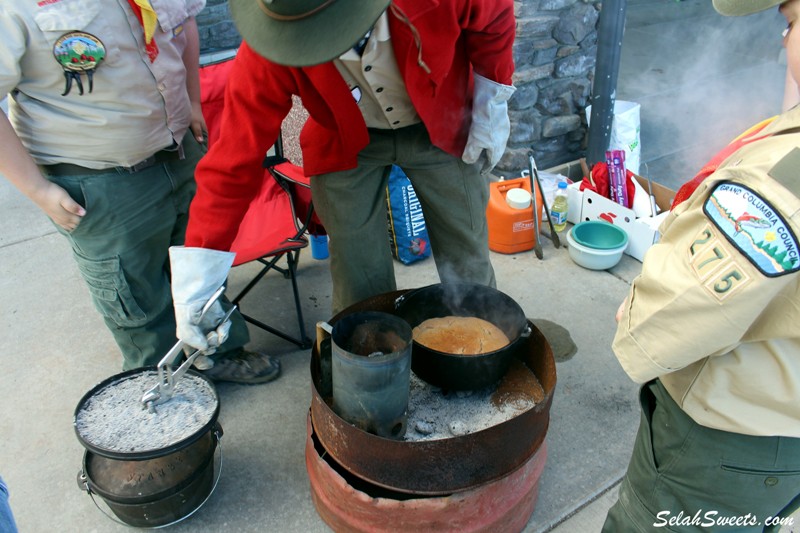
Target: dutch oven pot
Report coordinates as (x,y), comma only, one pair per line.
(154,487)
(463,372)
(157,492)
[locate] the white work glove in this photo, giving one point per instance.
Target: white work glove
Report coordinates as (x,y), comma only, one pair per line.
(196,274)
(491,126)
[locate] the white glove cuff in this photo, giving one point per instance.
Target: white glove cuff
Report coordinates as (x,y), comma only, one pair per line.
(488,91)
(197,272)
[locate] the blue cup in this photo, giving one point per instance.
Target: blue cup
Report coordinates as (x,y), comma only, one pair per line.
(319,246)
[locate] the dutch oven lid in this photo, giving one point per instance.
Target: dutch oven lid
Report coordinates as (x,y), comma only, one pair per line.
(185,418)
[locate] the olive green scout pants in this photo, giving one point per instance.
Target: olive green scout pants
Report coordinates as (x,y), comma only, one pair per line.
(352,207)
(122,250)
(687,477)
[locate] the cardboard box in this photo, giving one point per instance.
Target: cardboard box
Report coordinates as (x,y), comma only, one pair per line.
(574,202)
(642,232)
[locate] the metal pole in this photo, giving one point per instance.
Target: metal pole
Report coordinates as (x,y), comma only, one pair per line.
(609,45)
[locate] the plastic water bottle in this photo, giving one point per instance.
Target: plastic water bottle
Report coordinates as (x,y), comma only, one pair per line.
(558,212)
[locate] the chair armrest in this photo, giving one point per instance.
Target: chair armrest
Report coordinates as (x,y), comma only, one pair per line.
(291,173)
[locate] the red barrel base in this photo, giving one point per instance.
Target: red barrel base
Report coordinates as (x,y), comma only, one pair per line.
(502,505)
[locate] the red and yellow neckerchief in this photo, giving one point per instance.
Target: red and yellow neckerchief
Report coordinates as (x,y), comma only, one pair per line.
(148,19)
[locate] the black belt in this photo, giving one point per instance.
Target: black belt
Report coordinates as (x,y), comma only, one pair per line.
(67,169)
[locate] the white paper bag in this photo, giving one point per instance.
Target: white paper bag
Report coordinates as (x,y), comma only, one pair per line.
(625,132)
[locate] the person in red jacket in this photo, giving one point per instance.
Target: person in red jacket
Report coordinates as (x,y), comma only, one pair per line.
(421,85)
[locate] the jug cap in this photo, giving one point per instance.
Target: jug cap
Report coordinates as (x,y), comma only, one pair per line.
(518,198)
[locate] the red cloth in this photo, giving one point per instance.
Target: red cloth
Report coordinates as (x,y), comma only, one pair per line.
(453,37)
(213,79)
(268,227)
(602,185)
(301,194)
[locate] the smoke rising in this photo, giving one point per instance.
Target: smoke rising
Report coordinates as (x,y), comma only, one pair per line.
(701,79)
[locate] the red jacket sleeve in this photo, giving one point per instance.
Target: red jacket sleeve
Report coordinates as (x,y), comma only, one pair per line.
(489,31)
(437,47)
(230,175)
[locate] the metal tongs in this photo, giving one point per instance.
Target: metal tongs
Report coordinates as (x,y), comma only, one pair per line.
(165,389)
(553,232)
(537,247)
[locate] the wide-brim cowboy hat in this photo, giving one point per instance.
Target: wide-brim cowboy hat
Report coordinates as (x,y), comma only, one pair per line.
(736,8)
(304,32)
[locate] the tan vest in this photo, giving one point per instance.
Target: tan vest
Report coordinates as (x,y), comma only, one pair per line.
(715,313)
(375,82)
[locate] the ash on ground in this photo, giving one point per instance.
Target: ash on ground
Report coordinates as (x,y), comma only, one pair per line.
(115,419)
(435,414)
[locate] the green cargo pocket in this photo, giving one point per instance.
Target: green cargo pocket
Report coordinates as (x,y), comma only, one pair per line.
(110,291)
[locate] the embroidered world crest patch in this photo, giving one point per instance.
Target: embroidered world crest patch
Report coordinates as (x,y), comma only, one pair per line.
(754,227)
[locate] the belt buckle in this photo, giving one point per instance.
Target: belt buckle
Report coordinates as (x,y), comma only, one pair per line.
(143,164)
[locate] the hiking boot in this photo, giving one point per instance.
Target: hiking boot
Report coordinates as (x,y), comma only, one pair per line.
(245,367)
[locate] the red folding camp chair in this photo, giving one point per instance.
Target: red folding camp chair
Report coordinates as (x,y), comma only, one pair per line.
(274,227)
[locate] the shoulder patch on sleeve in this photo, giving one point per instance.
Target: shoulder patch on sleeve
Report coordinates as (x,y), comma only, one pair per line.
(787,171)
(754,228)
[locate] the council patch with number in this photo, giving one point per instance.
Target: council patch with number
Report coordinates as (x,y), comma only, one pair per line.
(754,227)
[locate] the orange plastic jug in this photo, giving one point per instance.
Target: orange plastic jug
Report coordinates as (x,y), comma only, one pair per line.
(511,230)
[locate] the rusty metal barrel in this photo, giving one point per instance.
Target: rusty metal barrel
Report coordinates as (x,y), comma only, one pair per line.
(360,480)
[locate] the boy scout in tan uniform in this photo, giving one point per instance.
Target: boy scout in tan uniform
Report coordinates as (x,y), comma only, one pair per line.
(711,329)
(104,100)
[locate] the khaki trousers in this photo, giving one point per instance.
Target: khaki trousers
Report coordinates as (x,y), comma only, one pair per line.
(352,206)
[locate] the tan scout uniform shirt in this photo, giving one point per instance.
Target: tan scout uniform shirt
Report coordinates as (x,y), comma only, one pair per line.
(375,82)
(136,108)
(715,313)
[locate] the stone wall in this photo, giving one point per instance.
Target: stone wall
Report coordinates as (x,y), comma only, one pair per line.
(217,31)
(554,53)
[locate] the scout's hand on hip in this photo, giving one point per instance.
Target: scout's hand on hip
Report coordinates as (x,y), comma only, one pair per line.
(54,201)
(196,274)
(490,124)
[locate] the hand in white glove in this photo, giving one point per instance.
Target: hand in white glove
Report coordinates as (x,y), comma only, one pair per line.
(196,274)
(491,126)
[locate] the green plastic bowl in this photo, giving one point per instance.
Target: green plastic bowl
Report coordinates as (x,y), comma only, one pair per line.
(599,235)
(593,258)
